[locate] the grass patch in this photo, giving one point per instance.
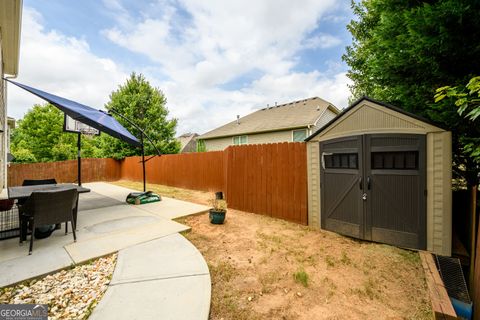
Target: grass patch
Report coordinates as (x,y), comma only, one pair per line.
(269,237)
(268,280)
(301,277)
(223,271)
(368,290)
(330,261)
(411,257)
(345,259)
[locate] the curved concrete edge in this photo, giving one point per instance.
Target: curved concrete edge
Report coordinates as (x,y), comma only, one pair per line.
(166,278)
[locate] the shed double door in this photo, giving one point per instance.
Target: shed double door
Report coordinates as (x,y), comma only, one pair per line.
(373,188)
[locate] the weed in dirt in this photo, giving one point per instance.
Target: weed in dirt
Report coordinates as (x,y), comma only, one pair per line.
(227,306)
(301,277)
(268,280)
(423,311)
(368,290)
(223,271)
(225,299)
(345,259)
(411,257)
(330,261)
(310,260)
(368,265)
(300,255)
(269,238)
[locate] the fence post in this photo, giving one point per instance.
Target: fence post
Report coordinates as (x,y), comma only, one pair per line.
(226,166)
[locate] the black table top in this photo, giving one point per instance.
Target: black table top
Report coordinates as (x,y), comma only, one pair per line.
(25,191)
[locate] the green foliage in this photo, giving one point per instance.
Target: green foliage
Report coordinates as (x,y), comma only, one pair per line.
(467,99)
(402,51)
(23,155)
(144,105)
(301,277)
(201,147)
(39,137)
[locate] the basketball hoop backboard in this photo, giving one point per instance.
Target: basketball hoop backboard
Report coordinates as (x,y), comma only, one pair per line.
(72,125)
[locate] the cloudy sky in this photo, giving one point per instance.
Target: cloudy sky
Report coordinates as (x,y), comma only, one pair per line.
(213,59)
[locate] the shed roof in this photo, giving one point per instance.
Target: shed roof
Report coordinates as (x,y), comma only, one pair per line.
(296,114)
(384,123)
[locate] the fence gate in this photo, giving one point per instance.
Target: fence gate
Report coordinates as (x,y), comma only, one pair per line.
(373,188)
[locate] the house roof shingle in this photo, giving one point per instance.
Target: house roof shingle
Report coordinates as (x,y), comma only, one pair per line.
(291,115)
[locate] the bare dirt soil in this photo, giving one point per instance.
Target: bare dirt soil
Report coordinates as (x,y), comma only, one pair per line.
(266,268)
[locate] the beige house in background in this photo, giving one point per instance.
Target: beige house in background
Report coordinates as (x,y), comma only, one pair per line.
(10,23)
(188,142)
(287,122)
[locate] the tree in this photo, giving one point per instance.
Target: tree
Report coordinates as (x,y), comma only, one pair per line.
(402,51)
(39,137)
(144,105)
(467,100)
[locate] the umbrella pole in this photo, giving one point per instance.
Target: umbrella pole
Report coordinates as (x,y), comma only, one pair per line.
(79,159)
(143,165)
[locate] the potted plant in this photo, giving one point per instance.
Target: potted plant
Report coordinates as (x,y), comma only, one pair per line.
(218,210)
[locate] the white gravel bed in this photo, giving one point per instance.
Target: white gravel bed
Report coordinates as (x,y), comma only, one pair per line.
(70,294)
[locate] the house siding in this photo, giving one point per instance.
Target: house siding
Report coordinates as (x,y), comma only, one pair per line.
(218,144)
(324,119)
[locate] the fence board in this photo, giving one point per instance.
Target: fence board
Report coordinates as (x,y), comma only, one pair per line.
(65,171)
(269,179)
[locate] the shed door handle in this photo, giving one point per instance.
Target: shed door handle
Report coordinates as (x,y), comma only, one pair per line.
(323,158)
(360,183)
(368,183)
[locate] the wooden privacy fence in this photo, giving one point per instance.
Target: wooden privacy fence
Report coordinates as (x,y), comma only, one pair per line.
(197,171)
(269,179)
(65,171)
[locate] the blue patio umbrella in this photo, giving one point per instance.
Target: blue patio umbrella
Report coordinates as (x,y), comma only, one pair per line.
(97,119)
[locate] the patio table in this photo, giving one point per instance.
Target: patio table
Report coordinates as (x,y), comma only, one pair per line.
(23,192)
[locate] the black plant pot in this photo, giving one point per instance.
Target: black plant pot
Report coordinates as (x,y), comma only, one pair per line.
(217,216)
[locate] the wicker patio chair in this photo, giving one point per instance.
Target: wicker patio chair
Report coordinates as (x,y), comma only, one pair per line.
(21,202)
(49,207)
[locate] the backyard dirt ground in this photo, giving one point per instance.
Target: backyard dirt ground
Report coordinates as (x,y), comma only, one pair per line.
(265,268)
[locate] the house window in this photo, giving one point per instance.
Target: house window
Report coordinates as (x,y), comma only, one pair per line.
(299,135)
(238,140)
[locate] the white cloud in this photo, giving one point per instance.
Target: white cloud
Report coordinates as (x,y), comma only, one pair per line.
(61,65)
(322,41)
(221,41)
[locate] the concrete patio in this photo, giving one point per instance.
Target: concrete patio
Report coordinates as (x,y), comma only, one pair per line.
(106,224)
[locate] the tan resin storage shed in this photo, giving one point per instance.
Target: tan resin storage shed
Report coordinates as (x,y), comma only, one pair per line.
(378,173)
